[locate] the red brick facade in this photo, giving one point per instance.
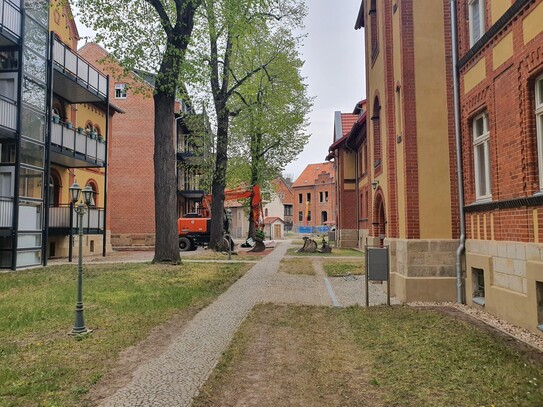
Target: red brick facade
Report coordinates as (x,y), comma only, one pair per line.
(507,95)
(131,171)
(317,182)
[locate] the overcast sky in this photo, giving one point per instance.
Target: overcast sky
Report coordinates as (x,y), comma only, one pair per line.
(334,68)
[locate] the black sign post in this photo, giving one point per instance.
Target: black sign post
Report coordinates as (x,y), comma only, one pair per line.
(377,268)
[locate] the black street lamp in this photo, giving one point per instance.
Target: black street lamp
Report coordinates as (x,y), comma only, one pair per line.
(75,192)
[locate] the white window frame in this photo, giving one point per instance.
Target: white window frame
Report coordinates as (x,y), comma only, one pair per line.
(484,141)
(539,126)
(473,36)
(122,88)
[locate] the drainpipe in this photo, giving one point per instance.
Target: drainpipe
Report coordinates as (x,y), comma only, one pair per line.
(462,245)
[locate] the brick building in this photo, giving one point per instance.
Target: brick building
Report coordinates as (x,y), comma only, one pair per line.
(501,93)
(347,152)
(131,166)
(314,193)
(410,155)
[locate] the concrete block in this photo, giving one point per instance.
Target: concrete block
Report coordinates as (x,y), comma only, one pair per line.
(446,271)
(422,271)
(515,283)
(520,251)
(503,265)
(519,268)
(502,249)
(500,280)
(533,252)
(418,245)
(511,250)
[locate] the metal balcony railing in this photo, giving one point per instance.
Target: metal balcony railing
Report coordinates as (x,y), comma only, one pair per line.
(83,72)
(6,212)
(92,149)
(8,114)
(10,18)
(61,217)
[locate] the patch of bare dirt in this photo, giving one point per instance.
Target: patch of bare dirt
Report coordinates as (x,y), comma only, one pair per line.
(291,356)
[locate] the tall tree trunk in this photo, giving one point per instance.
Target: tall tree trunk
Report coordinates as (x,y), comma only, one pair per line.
(166,242)
(219,182)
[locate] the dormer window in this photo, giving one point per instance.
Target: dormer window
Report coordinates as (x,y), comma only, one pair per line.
(120,91)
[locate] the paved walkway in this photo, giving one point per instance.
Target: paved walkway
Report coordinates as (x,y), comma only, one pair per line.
(175,377)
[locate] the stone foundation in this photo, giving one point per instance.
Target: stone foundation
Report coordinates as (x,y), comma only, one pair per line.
(347,238)
(92,244)
(422,270)
(512,274)
(135,240)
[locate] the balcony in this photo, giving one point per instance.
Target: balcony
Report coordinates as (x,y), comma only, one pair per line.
(75,79)
(8,114)
(6,212)
(63,218)
(72,149)
(10,22)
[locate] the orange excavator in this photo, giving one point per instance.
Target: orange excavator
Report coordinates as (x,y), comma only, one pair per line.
(194,228)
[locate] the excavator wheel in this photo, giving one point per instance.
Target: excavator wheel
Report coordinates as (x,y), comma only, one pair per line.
(185,244)
(258,247)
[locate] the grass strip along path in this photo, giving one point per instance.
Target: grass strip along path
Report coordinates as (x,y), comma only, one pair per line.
(382,356)
(41,365)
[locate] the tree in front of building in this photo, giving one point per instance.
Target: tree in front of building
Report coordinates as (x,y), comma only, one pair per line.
(152,35)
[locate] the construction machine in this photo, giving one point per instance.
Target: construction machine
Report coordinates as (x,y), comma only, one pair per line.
(194,228)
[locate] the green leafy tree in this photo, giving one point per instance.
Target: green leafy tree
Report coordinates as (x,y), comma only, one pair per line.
(152,35)
(269,131)
(223,61)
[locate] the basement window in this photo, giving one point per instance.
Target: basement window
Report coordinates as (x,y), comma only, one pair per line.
(539,295)
(478,281)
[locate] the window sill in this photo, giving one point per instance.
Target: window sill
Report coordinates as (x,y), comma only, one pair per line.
(484,199)
(479,301)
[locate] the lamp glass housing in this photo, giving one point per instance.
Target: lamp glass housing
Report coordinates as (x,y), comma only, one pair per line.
(87,194)
(75,191)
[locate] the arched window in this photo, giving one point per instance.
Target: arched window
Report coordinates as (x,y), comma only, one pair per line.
(374,33)
(94,187)
(376,120)
(54,188)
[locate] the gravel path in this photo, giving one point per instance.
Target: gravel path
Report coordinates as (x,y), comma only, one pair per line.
(175,377)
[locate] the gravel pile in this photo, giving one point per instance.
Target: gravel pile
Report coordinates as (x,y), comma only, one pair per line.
(516,332)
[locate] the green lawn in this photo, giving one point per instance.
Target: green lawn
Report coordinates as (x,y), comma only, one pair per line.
(339,268)
(378,357)
(41,365)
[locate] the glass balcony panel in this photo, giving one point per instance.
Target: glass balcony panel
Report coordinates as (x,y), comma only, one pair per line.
(93,77)
(83,70)
(37,9)
(36,37)
(30,185)
(88,76)
(29,258)
(30,216)
(33,124)
(70,62)
(32,154)
(6,212)
(81,143)
(29,240)
(34,94)
(91,148)
(35,65)
(101,153)
(11,18)
(59,217)
(8,115)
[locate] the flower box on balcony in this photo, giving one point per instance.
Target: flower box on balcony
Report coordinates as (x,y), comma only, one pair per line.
(69,125)
(93,135)
(56,118)
(80,130)
(100,138)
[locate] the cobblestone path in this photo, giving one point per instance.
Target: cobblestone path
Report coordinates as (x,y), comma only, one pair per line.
(174,378)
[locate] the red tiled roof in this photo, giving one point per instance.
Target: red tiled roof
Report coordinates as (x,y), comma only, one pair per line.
(271,219)
(311,173)
(347,121)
